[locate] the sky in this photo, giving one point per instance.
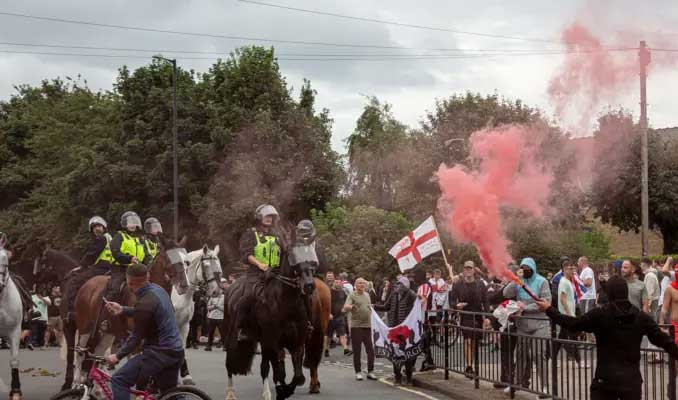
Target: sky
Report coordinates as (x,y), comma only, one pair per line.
(411,86)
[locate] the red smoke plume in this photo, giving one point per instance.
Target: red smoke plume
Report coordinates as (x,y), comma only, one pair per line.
(508,175)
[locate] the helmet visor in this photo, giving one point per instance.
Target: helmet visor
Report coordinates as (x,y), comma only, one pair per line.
(4,258)
(154,228)
(268,210)
(133,220)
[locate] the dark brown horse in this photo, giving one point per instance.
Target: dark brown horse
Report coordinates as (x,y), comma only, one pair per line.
(320,317)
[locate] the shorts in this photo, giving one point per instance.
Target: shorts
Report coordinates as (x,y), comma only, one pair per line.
(55,323)
(337,325)
(587,305)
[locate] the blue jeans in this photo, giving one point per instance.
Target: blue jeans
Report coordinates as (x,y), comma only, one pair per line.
(162,365)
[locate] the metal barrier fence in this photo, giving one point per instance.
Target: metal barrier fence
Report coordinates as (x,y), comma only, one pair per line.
(548,363)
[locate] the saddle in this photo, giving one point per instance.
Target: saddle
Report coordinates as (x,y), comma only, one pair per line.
(26,298)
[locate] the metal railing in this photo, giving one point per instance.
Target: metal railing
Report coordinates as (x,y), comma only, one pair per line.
(548,363)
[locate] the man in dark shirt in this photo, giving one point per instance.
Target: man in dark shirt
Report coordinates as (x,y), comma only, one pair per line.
(619,328)
(337,322)
(155,325)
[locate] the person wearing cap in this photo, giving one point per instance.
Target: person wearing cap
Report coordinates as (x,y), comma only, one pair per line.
(261,249)
(469,295)
(155,330)
(619,328)
(533,324)
(96,261)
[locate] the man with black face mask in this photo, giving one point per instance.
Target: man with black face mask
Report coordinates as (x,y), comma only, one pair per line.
(619,328)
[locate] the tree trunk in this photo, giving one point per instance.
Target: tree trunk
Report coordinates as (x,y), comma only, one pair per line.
(670,237)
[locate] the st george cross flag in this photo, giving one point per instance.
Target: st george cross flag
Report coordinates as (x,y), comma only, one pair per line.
(400,343)
(418,244)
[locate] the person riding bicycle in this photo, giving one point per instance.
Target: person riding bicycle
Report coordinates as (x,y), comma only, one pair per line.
(162,351)
(96,261)
(153,230)
(262,250)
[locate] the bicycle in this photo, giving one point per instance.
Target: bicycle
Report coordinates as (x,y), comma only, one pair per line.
(98,378)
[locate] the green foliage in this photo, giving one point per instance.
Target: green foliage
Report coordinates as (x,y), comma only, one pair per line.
(357,239)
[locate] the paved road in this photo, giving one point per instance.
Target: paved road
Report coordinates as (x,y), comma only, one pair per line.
(336,377)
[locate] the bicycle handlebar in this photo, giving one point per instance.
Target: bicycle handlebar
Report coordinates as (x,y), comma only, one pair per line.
(88,354)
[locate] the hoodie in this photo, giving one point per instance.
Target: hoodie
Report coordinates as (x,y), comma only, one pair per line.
(619,328)
(540,287)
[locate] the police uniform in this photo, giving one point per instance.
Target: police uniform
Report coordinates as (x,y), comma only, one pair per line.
(152,247)
(124,247)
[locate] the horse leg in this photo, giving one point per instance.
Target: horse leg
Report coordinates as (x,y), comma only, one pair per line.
(230,392)
(278,362)
(298,379)
(14,337)
(69,336)
(186,377)
(104,344)
(264,369)
(82,342)
(314,386)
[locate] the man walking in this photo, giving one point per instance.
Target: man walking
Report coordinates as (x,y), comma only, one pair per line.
(337,323)
(358,303)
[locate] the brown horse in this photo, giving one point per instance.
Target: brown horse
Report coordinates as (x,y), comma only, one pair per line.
(88,307)
(321,303)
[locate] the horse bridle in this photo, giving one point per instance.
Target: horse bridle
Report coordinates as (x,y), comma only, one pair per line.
(215,275)
(293,282)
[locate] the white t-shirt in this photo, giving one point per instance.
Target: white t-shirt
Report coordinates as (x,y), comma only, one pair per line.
(587,273)
(666,281)
(565,286)
(440,289)
(652,285)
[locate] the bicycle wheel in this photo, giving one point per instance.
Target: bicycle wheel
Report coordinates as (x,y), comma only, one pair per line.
(69,394)
(185,393)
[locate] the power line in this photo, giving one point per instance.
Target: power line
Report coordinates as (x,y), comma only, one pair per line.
(465,51)
(309,57)
(380,21)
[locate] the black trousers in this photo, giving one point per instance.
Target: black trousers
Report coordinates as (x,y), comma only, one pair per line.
(409,367)
(212,325)
(507,347)
(599,392)
(566,334)
(362,337)
(192,338)
(117,278)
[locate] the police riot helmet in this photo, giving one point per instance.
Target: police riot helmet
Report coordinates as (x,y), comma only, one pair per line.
(152,226)
(130,219)
(97,220)
(305,232)
(264,210)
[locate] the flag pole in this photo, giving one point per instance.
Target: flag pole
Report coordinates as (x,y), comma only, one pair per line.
(442,247)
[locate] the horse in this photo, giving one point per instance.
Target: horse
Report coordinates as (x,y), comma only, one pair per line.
(11,314)
(204,268)
(321,303)
(88,305)
(280,322)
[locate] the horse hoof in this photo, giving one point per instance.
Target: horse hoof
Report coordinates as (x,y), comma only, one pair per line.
(314,388)
(15,395)
(188,381)
(230,395)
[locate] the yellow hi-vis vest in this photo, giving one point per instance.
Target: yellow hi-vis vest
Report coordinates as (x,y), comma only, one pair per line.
(267,250)
(106,254)
(151,248)
(132,246)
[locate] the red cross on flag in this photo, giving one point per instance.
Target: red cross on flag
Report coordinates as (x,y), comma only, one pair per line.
(418,244)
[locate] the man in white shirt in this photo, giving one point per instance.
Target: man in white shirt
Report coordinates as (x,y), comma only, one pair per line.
(586,275)
(652,285)
(439,288)
(566,306)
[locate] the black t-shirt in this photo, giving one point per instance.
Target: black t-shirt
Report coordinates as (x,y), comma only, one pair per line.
(338,301)
(53,309)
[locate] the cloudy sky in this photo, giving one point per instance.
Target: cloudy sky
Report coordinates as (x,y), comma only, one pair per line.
(411,85)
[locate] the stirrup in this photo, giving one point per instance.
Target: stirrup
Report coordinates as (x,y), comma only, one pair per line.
(105,326)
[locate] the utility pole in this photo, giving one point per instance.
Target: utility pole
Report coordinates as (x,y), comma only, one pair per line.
(644,58)
(175,165)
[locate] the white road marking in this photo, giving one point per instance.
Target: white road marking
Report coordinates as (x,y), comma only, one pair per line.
(418,393)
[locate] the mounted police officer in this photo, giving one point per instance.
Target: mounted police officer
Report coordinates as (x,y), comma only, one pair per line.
(153,231)
(127,248)
(96,261)
(261,249)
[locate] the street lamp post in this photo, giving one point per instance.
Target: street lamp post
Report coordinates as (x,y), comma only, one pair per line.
(175,166)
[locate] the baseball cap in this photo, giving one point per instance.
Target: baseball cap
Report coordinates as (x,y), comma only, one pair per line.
(469,264)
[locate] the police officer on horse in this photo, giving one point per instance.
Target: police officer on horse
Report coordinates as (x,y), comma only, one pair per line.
(153,230)
(261,249)
(96,261)
(127,248)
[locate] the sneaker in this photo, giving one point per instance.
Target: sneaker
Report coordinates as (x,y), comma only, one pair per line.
(358,376)
(545,394)
(208,348)
(469,372)
(499,385)
(30,346)
(347,352)
(327,353)
(371,376)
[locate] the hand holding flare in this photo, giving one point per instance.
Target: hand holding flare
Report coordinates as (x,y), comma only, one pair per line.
(522,284)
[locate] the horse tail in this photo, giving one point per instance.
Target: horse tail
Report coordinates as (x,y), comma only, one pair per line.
(239,356)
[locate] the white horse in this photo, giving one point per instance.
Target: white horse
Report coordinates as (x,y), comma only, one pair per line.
(11,314)
(204,267)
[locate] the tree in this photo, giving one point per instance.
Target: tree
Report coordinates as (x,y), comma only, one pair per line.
(617,186)
(356,240)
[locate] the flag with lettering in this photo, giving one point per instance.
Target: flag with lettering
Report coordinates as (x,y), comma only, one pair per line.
(399,343)
(417,245)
